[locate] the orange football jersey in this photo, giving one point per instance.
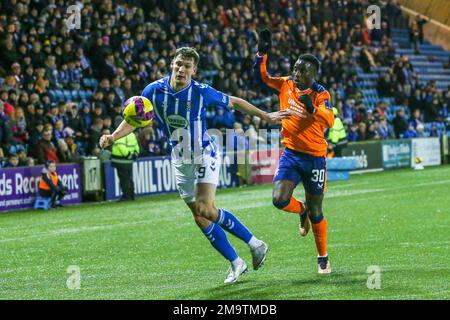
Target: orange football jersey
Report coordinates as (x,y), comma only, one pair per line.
(302,132)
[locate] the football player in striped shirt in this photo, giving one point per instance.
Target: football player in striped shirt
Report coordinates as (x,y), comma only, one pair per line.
(180,103)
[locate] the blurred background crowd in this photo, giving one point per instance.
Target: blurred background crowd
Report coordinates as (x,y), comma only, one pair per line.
(60,89)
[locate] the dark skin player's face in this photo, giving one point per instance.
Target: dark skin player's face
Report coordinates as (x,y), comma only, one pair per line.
(304,74)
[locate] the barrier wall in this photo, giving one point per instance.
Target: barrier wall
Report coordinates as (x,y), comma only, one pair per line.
(156,175)
(393,154)
(368,155)
(428,150)
(18,186)
(396,153)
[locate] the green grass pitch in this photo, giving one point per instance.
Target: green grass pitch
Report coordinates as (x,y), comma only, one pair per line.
(151,248)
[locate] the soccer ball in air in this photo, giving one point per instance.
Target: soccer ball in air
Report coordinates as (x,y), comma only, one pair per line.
(138,111)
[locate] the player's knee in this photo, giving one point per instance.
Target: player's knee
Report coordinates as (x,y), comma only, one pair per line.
(204,210)
(314,211)
(201,222)
(279,201)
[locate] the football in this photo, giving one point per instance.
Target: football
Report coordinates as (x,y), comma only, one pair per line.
(138,111)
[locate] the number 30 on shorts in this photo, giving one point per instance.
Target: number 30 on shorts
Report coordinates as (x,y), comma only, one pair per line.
(318,175)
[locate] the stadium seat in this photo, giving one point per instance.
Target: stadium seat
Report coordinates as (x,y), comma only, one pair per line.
(75,95)
(59,95)
(67,95)
(90,83)
(42,203)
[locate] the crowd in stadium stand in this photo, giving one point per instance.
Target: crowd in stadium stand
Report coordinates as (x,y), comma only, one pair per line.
(124,45)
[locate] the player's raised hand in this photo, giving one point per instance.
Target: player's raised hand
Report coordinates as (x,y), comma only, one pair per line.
(106,140)
(307,102)
(276,117)
(265,41)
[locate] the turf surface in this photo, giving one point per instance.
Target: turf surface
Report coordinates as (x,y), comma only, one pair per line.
(151,248)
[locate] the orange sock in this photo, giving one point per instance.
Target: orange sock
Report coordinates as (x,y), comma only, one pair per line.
(294,206)
(320,235)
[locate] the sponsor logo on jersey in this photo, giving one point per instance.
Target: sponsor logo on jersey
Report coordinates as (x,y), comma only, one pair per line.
(177,121)
(296,108)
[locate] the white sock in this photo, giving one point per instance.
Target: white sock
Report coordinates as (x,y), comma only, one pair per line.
(236,261)
(254,242)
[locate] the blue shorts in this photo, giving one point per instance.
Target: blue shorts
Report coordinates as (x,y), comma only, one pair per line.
(301,167)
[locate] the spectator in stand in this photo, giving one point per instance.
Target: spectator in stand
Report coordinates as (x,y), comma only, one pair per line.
(35,136)
(37,56)
(415,101)
(420,131)
(416,119)
(98,113)
(366,59)
(19,127)
(352,135)
(75,121)
(23,159)
(73,147)
(362,132)
(400,123)
(372,132)
(410,133)
(53,114)
(62,112)
(116,83)
(64,153)
(94,136)
(421,21)
(148,143)
(3,159)
(223,119)
(5,102)
(45,149)
(6,137)
(384,131)
(414,36)
(394,12)
(384,86)
(127,89)
(12,162)
(59,132)
(107,123)
(434,131)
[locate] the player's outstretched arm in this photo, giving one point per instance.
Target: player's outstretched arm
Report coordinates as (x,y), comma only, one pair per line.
(246,107)
(122,130)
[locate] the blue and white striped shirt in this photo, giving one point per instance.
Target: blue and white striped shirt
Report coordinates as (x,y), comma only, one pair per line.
(184,109)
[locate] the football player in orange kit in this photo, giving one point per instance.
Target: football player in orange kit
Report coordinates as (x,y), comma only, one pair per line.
(304,157)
